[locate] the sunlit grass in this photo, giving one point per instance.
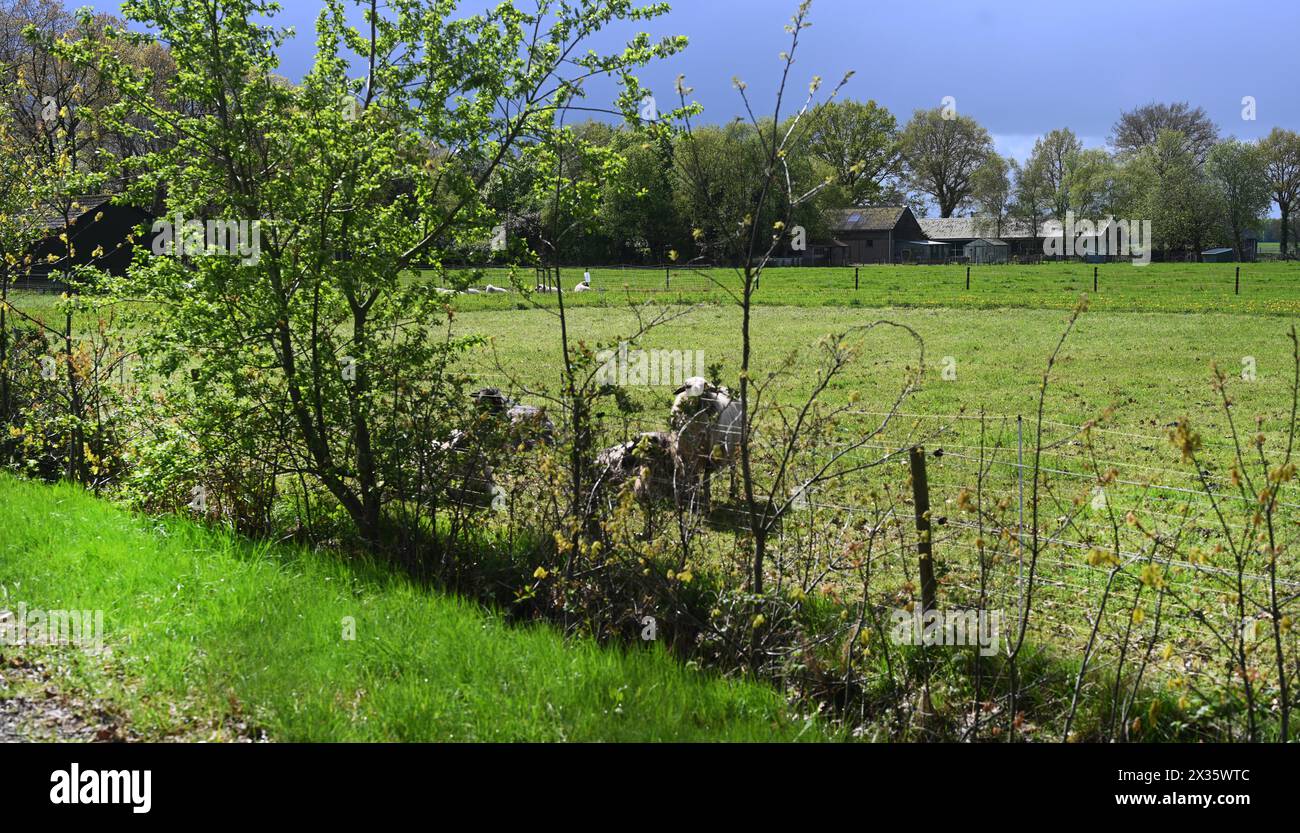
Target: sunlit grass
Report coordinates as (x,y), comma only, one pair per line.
(202,625)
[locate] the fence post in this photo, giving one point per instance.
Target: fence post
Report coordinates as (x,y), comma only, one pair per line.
(855,278)
(1020,527)
(667,274)
(1237,289)
(1094,279)
(967,278)
(924,546)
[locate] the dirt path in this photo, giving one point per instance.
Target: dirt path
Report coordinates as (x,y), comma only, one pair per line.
(33,711)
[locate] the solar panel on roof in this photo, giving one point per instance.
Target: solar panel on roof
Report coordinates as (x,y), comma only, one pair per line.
(853,218)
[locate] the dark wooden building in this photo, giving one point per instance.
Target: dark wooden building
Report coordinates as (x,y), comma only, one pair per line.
(876,234)
(100,234)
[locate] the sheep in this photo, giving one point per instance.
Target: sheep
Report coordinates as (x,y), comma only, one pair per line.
(707,424)
(647,462)
(584,286)
(490,289)
(469,477)
(470,470)
(528,425)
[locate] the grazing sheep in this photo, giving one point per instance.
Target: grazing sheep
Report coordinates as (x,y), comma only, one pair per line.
(582,287)
(541,287)
(490,289)
(473,291)
(707,424)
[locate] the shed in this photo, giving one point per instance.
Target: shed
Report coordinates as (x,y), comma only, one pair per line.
(986,250)
(1221,254)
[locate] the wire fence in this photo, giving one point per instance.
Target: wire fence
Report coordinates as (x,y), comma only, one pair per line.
(1253,287)
(1061,529)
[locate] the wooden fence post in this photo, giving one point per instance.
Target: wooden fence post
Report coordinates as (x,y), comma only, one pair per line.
(924,546)
(1237,289)
(967,278)
(667,276)
(1094,279)
(855,278)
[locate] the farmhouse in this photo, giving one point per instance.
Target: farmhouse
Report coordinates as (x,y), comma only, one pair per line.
(99,233)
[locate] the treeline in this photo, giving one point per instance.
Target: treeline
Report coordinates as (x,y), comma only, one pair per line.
(656,191)
(1168,163)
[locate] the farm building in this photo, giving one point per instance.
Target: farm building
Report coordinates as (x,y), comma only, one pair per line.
(1220,254)
(983,250)
(960,232)
(880,234)
(98,232)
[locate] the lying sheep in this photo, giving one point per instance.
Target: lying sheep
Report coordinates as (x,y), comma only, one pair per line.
(491,290)
(707,424)
(469,474)
(529,425)
(647,462)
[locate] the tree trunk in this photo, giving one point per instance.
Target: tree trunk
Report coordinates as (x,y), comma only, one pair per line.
(1286,212)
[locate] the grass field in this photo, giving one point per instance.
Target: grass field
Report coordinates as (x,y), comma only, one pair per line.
(203,629)
(1143,352)
(1265,288)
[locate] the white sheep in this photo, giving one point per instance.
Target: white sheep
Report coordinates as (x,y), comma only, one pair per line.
(490,289)
(584,286)
(707,424)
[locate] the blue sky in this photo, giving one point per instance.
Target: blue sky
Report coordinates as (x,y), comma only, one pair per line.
(1021,67)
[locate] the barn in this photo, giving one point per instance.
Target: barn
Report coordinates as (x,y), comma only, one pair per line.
(879,234)
(99,233)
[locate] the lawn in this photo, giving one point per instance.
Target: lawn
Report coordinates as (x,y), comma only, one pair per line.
(203,628)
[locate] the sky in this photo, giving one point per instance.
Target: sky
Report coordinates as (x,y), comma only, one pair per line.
(1019,67)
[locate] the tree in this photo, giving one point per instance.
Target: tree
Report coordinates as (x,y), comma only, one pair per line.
(859,142)
(992,192)
(1281,150)
(943,152)
(1170,187)
(318,339)
(1032,196)
(1238,171)
(1054,159)
(1141,127)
